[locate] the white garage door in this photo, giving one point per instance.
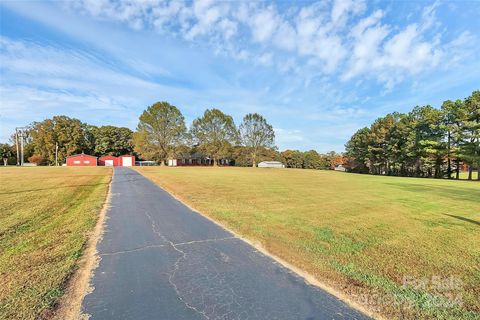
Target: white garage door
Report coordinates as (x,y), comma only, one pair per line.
(127,162)
(109,163)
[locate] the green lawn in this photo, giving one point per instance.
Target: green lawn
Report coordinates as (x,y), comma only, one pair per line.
(46,215)
(404,247)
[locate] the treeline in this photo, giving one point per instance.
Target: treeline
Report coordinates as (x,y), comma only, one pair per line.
(426,142)
(162,134)
(54,139)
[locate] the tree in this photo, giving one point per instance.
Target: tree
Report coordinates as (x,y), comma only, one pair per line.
(160,132)
(426,142)
(6,152)
(334,159)
(452,124)
(357,150)
(312,160)
(293,158)
(110,140)
(470,146)
(256,134)
(428,134)
(68,133)
(214,133)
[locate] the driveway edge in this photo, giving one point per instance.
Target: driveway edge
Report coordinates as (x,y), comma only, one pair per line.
(79,285)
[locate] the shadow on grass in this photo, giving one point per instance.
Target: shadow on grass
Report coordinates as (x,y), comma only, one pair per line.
(454,192)
(463,218)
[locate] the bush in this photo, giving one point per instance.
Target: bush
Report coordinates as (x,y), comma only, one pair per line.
(37,159)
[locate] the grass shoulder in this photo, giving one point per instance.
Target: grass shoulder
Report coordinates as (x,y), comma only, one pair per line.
(48,213)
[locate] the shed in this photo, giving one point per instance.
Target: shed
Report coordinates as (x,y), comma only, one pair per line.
(271,164)
(108,161)
(126,160)
(81,160)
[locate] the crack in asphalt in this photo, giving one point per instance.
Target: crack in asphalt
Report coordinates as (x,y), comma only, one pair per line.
(175,267)
(202,241)
(164,245)
(133,250)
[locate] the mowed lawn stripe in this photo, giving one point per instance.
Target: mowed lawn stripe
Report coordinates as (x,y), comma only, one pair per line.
(46,216)
(361,234)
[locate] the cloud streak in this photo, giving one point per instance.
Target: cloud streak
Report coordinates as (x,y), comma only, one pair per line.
(339,36)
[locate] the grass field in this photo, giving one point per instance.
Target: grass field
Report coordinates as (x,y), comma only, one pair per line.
(404,247)
(45,217)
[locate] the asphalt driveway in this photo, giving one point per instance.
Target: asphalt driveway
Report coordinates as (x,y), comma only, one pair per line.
(160,260)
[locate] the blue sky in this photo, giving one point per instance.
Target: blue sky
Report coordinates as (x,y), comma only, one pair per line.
(318,71)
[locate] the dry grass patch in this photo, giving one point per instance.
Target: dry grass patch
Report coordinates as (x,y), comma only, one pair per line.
(363,235)
(46,215)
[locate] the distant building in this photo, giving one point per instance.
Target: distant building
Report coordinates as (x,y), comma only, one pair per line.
(108,161)
(271,164)
(196,159)
(82,160)
(126,161)
(340,167)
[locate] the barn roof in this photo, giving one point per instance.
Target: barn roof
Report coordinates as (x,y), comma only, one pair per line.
(108,156)
(82,155)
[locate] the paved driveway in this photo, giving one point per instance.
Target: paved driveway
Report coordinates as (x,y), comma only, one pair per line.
(160,260)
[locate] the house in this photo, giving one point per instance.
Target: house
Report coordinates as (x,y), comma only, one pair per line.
(81,160)
(196,159)
(108,161)
(126,160)
(271,164)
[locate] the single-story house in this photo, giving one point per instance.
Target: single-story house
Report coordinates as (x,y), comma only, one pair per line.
(81,160)
(196,159)
(271,164)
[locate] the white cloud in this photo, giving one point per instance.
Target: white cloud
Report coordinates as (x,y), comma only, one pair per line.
(342,8)
(288,136)
(263,23)
(390,54)
(265,59)
(333,37)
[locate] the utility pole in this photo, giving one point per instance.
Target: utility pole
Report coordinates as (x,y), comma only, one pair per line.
(16,144)
(21,147)
(20,132)
(56,154)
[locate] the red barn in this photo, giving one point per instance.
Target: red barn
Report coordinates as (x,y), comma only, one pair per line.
(126,161)
(109,161)
(81,160)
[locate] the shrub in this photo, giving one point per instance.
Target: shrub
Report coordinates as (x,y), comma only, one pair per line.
(38,159)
